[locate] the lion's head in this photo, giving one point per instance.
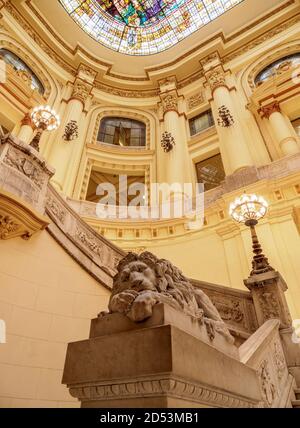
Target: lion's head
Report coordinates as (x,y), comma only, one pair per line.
(144,280)
(146,272)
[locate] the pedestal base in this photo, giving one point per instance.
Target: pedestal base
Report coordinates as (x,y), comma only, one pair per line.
(155,365)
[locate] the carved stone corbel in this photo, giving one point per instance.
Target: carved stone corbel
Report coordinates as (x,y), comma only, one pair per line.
(18,219)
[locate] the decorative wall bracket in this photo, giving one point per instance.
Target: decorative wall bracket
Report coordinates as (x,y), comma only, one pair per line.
(167,142)
(225,118)
(71,131)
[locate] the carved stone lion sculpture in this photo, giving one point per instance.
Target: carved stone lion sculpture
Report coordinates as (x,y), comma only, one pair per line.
(144,280)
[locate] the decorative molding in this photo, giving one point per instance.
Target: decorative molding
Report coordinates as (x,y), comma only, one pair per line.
(8,226)
(270,57)
(81,91)
(268,110)
(27,121)
(195,100)
(267,385)
(24,172)
(156,386)
(235,307)
(169,101)
(279,360)
(25,165)
(152,92)
(263,38)
(14,46)
(17,218)
(94,253)
(216,78)
(269,305)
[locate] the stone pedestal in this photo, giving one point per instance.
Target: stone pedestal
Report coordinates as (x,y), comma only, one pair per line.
(24,178)
(267,290)
(166,361)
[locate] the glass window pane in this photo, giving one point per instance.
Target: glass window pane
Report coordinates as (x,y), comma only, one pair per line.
(201,123)
(122,131)
(278,67)
(18,64)
(210,172)
(144,27)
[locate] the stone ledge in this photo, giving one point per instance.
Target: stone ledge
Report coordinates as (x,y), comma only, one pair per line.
(158,363)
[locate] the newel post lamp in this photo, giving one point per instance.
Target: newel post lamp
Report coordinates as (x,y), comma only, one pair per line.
(44,119)
(266,285)
(249,209)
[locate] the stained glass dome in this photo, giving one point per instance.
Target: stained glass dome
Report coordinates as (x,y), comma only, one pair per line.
(144,27)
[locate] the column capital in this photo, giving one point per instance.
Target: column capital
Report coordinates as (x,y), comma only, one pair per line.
(216,78)
(81,91)
(27,121)
(267,110)
(169,101)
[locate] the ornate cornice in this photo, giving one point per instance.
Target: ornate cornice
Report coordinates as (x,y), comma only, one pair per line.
(262,38)
(157,386)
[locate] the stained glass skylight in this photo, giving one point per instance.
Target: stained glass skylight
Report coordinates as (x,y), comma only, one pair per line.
(144,27)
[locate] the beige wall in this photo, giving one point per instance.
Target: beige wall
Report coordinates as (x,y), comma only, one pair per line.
(46,300)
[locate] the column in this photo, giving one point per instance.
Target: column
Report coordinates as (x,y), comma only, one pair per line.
(65,154)
(233,142)
(175,165)
(27,129)
(283,132)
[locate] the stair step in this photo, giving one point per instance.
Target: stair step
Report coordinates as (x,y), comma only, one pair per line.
(296,404)
(297,393)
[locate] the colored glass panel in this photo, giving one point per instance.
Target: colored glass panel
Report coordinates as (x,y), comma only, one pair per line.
(144,27)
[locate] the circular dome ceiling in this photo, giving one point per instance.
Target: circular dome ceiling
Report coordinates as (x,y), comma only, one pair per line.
(144,27)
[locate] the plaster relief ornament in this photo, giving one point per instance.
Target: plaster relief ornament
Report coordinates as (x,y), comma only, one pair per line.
(7,226)
(144,280)
(167,142)
(71,131)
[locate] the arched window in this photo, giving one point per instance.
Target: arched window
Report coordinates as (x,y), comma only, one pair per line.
(278,67)
(19,65)
(120,131)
